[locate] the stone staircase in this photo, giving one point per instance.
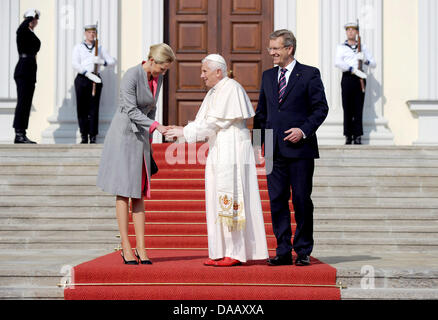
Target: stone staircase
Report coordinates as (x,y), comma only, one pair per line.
(52,216)
(376,210)
(376,213)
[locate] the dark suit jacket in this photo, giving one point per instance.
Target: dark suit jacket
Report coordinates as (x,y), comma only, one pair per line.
(304,106)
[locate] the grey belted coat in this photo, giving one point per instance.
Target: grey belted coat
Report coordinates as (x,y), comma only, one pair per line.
(127,140)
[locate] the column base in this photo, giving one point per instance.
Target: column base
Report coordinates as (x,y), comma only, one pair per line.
(7,113)
(66,131)
(375,133)
(427,113)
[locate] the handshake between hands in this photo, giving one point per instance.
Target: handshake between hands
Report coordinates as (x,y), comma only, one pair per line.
(171,133)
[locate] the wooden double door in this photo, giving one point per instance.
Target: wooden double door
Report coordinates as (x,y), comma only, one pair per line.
(237,29)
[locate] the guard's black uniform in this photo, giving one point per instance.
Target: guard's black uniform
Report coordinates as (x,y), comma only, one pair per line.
(87,106)
(353,102)
(28,46)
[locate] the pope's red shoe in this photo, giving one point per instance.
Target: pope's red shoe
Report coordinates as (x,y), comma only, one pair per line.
(228,262)
(210,262)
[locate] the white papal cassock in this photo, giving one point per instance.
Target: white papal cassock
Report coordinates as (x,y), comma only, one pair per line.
(234,213)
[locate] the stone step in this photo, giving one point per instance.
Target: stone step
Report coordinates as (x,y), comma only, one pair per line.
(59,226)
(374,245)
(55,150)
(108,211)
(54,212)
(109,237)
(54,222)
(318,191)
(53,160)
(329,171)
(70,216)
(408,276)
(389,294)
(49,170)
(377,222)
(31,293)
(108,243)
(43,180)
(398,152)
(335,244)
(66,229)
(418,221)
(364,171)
(319,181)
(43,262)
(420,238)
(325,151)
(319,201)
(354,211)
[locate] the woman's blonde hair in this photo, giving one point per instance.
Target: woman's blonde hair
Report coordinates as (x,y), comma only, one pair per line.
(161,53)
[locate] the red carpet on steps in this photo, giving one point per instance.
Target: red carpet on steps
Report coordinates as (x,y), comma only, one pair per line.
(176,240)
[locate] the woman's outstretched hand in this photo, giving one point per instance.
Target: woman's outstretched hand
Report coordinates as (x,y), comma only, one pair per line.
(174,132)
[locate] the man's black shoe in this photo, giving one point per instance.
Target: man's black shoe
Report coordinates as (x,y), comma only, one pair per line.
(92,139)
(285,260)
(358,140)
(84,138)
(302,260)
(349,140)
(21,138)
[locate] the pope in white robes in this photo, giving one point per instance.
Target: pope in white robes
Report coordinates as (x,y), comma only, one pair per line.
(235,225)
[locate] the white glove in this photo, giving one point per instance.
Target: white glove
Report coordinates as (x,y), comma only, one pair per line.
(360,56)
(93,77)
(32,13)
(359,73)
(98,60)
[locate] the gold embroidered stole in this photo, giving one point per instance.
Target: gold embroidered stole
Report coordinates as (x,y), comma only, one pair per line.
(230,201)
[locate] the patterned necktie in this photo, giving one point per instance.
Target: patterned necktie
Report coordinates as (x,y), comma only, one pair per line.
(282,85)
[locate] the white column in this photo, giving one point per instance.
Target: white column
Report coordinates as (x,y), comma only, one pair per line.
(428,48)
(153,33)
(426,107)
(71,16)
(285,13)
(334,15)
(9,22)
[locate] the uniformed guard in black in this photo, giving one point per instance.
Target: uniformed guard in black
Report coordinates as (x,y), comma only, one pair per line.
(350,57)
(28,46)
(88,57)
(87,108)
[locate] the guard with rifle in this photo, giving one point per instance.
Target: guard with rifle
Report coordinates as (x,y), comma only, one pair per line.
(88,57)
(351,56)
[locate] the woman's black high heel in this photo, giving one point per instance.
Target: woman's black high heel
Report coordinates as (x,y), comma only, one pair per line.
(131,262)
(142,261)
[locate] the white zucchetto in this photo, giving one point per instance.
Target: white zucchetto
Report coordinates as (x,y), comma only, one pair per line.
(216,58)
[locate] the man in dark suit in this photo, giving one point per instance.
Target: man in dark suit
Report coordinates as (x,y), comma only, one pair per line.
(293,105)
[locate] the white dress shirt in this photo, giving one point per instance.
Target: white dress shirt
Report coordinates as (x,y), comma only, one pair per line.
(290,67)
(346,58)
(83,58)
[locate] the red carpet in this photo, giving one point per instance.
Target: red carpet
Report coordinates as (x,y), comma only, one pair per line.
(176,237)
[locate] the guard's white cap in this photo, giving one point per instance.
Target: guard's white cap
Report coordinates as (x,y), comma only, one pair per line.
(34,13)
(351,25)
(90,27)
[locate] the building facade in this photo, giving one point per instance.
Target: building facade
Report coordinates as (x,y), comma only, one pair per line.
(401,106)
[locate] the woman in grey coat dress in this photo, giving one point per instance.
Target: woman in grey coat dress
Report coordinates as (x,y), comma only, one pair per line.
(125,166)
